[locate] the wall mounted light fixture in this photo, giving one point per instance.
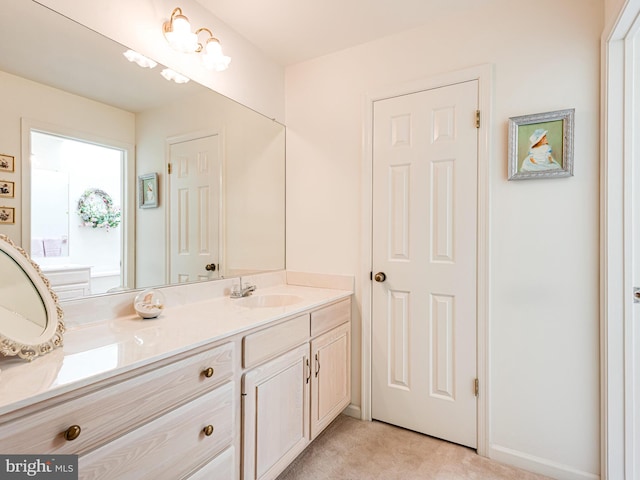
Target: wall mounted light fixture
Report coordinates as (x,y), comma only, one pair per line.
(212,56)
(177,31)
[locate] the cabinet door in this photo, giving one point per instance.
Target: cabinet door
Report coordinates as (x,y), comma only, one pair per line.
(331,379)
(275,409)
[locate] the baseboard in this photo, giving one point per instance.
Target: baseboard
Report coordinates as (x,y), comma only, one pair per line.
(539,465)
(353,411)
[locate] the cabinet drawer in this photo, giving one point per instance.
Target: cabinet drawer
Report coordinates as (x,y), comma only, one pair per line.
(326,318)
(68,292)
(68,276)
(262,345)
(109,412)
(168,447)
(220,468)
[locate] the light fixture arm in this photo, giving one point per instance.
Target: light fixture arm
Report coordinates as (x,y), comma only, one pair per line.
(205,29)
(168,25)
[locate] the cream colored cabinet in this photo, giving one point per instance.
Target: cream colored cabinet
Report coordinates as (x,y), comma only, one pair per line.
(181,417)
(275,403)
(331,379)
(165,420)
(222,467)
(290,399)
(170,446)
(69,281)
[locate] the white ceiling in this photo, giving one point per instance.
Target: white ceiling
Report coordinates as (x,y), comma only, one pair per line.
(292,31)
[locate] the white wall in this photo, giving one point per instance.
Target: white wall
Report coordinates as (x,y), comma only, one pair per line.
(612,9)
(252,79)
(544,381)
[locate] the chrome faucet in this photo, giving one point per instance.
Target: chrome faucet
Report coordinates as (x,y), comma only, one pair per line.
(239,291)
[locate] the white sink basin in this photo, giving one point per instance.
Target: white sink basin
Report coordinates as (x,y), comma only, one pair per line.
(271,300)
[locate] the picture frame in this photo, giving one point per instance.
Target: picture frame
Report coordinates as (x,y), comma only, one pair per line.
(7,163)
(7,215)
(541,145)
(148,190)
(7,189)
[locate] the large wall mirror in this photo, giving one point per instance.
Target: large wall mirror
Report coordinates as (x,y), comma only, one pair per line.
(124,179)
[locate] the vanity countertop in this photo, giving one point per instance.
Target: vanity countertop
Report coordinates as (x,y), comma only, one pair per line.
(95,351)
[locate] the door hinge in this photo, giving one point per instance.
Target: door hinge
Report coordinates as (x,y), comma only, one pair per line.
(477,118)
(476,387)
(169,169)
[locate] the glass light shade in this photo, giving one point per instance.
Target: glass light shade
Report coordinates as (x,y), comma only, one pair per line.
(213,47)
(149,304)
(139,59)
(172,75)
(213,58)
(180,36)
(181,25)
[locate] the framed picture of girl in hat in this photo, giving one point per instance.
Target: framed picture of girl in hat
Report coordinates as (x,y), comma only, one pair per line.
(541,145)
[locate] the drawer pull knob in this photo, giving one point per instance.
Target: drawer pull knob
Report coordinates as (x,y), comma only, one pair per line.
(72,432)
(208,372)
(208,430)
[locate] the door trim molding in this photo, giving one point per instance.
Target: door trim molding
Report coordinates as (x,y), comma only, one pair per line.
(617,350)
(484,75)
(129,199)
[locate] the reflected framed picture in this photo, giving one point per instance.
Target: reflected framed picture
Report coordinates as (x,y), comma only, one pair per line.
(541,145)
(7,215)
(148,190)
(7,189)
(7,163)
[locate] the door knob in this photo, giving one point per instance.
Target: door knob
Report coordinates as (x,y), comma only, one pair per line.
(380,277)
(210,267)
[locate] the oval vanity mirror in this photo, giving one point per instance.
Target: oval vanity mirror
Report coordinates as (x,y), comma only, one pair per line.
(30,316)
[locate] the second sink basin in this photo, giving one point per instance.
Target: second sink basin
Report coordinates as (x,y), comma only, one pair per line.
(270,300)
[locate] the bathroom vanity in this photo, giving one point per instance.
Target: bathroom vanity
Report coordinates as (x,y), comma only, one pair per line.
(215,388)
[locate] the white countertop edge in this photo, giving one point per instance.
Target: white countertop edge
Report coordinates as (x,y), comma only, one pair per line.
(179,329)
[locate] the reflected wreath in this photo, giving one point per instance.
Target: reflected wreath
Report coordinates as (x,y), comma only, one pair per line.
(96,210)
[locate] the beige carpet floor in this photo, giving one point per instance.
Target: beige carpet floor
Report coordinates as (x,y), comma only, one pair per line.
(351,449)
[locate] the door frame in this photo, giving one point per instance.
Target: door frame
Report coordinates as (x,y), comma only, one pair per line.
(128,240)
(166,187)
(484,75)
(619,387)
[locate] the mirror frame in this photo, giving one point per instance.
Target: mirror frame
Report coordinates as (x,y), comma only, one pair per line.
(51,337)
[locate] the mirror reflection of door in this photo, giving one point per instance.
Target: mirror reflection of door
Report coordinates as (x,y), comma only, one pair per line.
(82,259)
(194,209)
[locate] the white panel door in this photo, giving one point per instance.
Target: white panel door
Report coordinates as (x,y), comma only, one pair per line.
(424,241)
(194,210)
